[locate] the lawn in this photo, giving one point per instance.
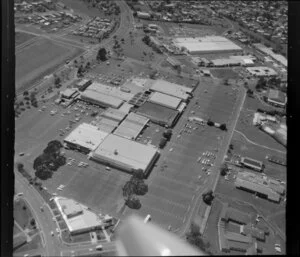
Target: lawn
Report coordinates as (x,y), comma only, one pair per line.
(224,73)
(34,244)
(81,238)
(21,37)
(39,59)
(21,216)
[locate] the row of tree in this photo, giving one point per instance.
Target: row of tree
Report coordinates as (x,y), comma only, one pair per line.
(166,137)
(134,187)
(222,126)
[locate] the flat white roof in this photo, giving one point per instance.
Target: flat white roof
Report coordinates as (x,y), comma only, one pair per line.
(82,221)
(125,153)
(165,100)
(101,99)
(205,44)
(171,89)
(68,92)
(87,136)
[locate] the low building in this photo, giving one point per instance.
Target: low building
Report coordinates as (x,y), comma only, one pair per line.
(68,93)
(165,100)
(78,218)
(143,15)
(126,154)
(114,114)
(85,138)
(256,184)
(277,98)
(277,160)
(105,124)
(83,84)
(252,164)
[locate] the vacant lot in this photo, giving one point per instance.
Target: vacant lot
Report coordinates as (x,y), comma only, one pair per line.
(39,59)
(224,73)
(34,244)
(21,37)
(82,8)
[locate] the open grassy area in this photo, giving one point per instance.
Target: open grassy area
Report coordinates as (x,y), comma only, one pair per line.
(22,216)
(39,59)
(81,237)
(224,73)
(82,8)
(34,244)
(21,37)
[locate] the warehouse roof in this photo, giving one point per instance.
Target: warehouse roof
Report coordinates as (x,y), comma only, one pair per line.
(114,114)
(208,43)
(82,221)
(237,216)
(101,98)
(87,136)
(125,152)
(165,100)
(171,89)
(255,183)
(252,162)
(110,91)
(231,236)
(68,92)
(132,126)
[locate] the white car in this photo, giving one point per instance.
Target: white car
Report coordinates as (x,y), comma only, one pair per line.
(107,168)
(278,249)
(171,150)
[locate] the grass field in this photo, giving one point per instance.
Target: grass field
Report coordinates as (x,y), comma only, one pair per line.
(82,8)
(22,217)
(39,59)
(20,38)
(34,244)
(224,73)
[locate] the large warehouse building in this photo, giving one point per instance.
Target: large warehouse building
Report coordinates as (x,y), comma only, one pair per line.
(85,138)
(132,126)
(165,100)
(171,89)
(125,154)
(105,96)
(208,44)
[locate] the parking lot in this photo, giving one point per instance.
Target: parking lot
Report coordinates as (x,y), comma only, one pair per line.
(179,166)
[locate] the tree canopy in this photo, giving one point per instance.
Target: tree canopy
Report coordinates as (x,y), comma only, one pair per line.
(102,54)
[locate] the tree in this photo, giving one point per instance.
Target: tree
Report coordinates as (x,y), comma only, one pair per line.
(20,166)
(26,93)
(167,134)
(250,93)
(223,127)
(208,197)
(162,142)
(43,173)
(57,81)
(210,123)
(101,55)
(226,82)
(133,203)
(178,68)
(224,169)
(32,222)
(195,238)
(128,190)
